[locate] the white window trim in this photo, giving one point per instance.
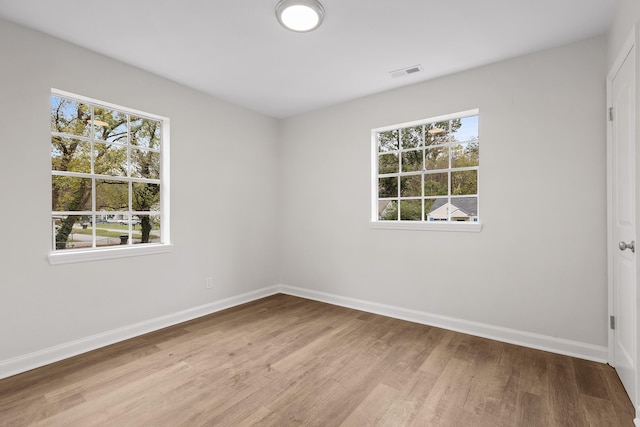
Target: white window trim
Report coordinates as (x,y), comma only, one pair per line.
(69,256)
(375,223)
(426,225)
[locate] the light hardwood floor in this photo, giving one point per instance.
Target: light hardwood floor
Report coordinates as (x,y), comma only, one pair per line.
(284,361)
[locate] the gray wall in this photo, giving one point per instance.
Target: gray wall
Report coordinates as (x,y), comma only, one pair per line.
(223,207)
(538,265)
(627,14)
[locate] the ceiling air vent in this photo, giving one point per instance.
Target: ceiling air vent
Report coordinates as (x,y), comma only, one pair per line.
(406,71)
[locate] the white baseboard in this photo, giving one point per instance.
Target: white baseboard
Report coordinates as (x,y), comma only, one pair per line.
(526,339)
(49,355)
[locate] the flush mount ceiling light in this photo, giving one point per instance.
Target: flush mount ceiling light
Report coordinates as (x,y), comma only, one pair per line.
(300,15)
(98,122)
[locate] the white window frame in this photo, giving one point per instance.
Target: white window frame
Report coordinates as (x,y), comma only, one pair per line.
(418,225)
(110,252)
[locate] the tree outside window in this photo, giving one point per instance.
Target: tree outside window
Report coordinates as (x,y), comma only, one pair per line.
(106,183)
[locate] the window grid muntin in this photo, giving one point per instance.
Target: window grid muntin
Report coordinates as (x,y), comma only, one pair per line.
(450,143)
(92,140)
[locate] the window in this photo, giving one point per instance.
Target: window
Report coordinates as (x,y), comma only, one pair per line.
(109,180)
(425,174)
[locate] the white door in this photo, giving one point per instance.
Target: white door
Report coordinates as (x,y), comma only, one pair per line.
(623,221)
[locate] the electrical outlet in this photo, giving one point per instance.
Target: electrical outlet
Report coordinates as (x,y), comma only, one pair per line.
(209,283)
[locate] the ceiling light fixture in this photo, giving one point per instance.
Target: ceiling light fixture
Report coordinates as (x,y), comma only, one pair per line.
(300,15)
(98,122)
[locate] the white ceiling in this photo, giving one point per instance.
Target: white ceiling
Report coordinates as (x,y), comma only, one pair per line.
(236,50)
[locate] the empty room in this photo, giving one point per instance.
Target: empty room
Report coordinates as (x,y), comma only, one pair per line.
(319,212)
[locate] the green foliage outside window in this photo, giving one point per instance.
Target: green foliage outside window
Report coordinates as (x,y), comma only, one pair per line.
(428,167)
(96,155)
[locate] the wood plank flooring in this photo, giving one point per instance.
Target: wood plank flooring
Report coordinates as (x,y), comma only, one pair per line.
(285,361)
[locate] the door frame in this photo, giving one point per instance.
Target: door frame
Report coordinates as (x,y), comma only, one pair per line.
(612,246)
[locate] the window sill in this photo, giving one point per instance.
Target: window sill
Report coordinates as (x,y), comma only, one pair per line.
(473,227)
(84,255)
